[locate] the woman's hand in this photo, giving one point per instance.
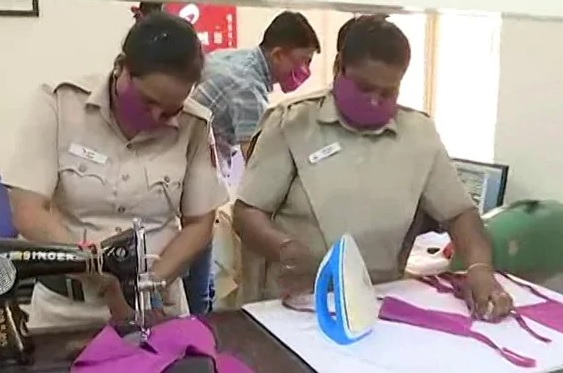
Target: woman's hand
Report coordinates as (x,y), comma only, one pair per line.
(485,296)
(121,311)
(115,300)
(298,269)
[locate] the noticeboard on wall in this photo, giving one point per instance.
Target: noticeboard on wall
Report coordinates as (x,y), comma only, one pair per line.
(216,25)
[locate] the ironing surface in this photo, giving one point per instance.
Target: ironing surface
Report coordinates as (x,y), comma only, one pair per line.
(394,347)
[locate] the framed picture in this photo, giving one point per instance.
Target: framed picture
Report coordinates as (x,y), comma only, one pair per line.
(19,8)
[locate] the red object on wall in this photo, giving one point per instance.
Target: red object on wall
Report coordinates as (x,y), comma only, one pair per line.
(216,25)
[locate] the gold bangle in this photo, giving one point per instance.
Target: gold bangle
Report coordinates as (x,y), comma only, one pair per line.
(477,265)
(285,242)
(281,246)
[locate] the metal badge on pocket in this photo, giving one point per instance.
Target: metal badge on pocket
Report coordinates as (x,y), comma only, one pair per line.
(86,153)
(325,152)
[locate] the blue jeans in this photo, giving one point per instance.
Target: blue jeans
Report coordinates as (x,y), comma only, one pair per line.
(199,284)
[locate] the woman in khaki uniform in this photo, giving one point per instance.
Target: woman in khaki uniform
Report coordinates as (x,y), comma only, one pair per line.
(98,151)
(349,159)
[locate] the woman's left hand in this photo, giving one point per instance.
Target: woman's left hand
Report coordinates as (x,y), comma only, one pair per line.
(485,297)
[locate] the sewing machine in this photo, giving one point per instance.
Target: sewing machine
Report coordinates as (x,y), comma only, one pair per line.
(123,256)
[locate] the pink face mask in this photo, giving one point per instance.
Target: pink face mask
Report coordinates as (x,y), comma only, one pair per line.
(131,110)
(358,108)
(295,78)
(396,310)
(168,342)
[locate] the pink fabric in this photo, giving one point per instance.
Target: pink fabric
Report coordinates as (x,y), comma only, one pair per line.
(397,310)
(168,342)
(548,313)
(457,282)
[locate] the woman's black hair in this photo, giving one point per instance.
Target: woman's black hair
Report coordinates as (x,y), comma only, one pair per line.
(374,38)
(163,43)
(147,8)
(343,32)
(340,42)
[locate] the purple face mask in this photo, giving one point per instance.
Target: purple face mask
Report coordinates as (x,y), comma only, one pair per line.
(295,78)
(131,110)
(396,310)
(168,342)
(358,108)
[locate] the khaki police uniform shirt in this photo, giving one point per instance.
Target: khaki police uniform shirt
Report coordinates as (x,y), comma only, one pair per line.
(71,150)
(320,179)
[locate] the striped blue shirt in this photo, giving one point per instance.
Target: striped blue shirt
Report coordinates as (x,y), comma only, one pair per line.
(235,87)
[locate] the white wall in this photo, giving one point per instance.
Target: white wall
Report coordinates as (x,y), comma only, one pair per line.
(77,37)
(466,86)
(529,132)
(69,39)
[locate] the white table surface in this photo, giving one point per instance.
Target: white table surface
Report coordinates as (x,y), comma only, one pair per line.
(398,348)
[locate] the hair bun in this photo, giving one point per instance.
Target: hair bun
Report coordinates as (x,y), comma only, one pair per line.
(137,13)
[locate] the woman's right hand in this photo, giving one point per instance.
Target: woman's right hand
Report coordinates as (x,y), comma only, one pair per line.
(115,300)
(121,311)
(298,269)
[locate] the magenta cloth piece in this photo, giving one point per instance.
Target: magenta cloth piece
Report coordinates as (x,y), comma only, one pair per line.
(167,343)
(457,282)
(548,313)
(175,336)
(396,310)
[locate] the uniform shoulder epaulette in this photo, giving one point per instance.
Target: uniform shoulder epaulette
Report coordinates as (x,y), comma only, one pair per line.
(194,108)
(411,110)
(83,83)
(311,96)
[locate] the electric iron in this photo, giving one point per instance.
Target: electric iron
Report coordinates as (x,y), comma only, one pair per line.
(344,271)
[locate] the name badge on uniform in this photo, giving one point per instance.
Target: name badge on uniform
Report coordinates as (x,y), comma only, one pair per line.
(89,154)
(325,152)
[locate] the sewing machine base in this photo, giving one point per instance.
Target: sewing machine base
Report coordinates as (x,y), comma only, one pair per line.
(190,365)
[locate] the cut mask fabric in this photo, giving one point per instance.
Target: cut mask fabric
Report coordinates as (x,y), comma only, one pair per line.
(548,313)
(396,310)
(457,289)
(358,108)
(168,342)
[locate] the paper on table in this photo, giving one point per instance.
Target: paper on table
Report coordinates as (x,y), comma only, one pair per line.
(421,262)
(397,348)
